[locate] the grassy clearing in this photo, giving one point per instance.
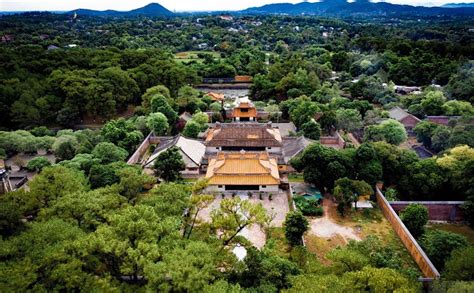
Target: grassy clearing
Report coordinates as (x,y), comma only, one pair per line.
(276,239)
(295,178)
(364,222)
(454,228)
(193,56)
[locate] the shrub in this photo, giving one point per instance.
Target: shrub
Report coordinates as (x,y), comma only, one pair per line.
(439,245)
(309,207)
(415,217)
(37,164)
(295,226)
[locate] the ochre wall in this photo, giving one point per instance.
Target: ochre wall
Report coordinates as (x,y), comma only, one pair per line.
(417,253)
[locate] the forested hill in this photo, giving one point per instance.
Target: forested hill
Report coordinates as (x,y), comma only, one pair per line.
(358,8)
(152,9)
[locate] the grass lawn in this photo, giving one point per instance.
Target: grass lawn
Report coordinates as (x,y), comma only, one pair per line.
(276,239)
(193,56)
(462,229)
(295,178)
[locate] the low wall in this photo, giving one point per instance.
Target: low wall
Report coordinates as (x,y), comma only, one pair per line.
(417,253)
(449,211)
(333,140)
(141,150)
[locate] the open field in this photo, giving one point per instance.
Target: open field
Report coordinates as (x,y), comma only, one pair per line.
(333,230)
(193,56)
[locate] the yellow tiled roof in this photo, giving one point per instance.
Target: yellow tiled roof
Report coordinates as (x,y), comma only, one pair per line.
(243,169)
(243,180)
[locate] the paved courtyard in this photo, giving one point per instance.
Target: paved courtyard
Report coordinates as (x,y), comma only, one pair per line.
(278,207)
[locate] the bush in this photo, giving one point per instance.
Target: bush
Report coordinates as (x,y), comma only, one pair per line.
(460,267)
(309,207)
(438,245)
(37,164)
(415,217)
(295,226)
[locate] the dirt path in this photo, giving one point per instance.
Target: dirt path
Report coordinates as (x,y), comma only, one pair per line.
(325,227)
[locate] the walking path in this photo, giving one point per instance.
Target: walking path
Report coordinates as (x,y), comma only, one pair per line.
(325,227)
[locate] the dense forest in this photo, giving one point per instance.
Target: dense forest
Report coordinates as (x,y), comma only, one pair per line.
(116,61)
(88,221)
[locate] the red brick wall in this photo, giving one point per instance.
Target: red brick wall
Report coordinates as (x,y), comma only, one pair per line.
(437,211)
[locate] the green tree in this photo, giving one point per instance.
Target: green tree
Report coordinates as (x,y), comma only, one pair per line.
(198,203)
(415,217)
(348,119)
(440,139)
(131,239)
(311,129)
(107,153)
(424,132)
(65,147)
(295,226)
(53,183)
(42,259)
(390,131)
(10,217)
(186,269)
(132,182)
(266,272)
(169,164)
(439,244)
(160,104)
(233,215)
(433,103)
(460,266)
(201,119)
(86,209)
(380,280)
(192,129)
(37,164)
(348,191)
(153,91)
(158,123)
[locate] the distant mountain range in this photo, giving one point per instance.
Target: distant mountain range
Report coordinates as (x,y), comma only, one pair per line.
(335,8)
(457,5)
(357,8)
(152,9)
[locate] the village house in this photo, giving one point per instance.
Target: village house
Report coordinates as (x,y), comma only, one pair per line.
(408,120)
(234,171)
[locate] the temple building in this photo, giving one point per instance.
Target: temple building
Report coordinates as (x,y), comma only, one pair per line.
(243,136)
(244,111)
(191,150)
(253,171)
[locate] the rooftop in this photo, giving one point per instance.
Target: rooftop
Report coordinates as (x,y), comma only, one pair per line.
(191,150)
(242,168)
(399,114)
(243,134)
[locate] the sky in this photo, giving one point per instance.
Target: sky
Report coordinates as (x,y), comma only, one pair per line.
(177,5)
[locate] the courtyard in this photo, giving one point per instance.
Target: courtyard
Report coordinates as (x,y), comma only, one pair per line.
(277,207)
